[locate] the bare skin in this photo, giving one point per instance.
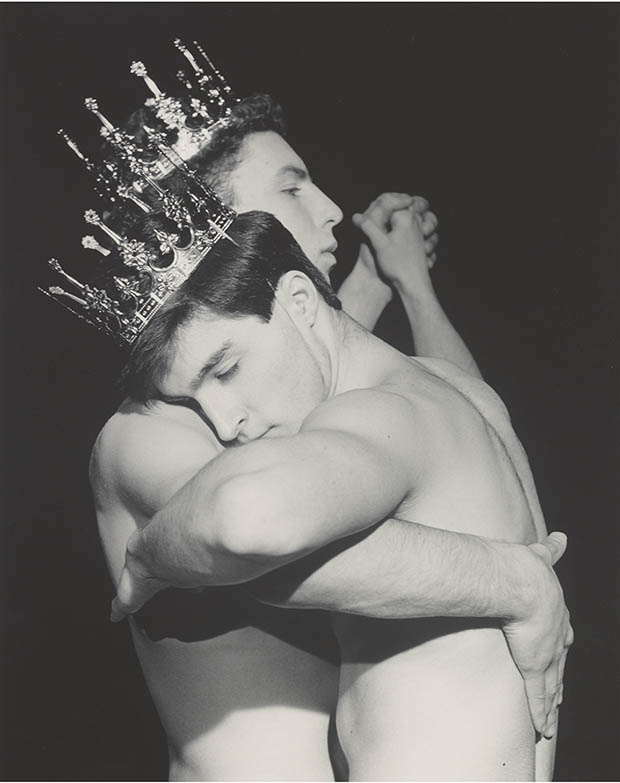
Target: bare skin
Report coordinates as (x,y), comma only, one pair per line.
(441,699)
(145,454)
(388,436)
(227,689)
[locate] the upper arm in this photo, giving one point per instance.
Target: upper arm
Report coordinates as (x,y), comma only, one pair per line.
(138,463)
(348,468)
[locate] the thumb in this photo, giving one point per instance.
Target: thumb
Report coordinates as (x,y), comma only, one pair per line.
(551,549)
(556,544)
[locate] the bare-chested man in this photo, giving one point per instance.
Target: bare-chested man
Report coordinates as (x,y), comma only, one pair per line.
(212,662)
(380,435)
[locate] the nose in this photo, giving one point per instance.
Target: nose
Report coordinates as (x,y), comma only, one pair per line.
(228,418)
(326,211)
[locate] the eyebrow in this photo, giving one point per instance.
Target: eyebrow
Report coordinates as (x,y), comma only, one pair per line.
(295,170)
(206,368)
(210,364)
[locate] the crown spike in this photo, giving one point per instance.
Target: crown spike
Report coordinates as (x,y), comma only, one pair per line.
(127,192)
(55,265)
(90,216)
(92,106)
(187,54)
(205,57)
(56,290)
(225,85)
(73,146)
(90,243)
(138,69)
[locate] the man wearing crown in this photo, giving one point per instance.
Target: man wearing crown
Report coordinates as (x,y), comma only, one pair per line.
(245,690)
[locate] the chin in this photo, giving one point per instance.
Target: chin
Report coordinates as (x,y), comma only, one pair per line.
(325,263)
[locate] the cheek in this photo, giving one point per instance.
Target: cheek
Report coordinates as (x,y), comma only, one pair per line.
(296,220)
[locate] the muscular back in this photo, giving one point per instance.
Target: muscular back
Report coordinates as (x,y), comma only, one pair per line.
(441,698)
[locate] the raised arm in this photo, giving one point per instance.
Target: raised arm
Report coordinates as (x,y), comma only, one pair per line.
(401,231)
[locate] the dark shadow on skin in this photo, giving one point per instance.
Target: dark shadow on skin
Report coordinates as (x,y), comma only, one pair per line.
(218,619)
(193,617)
(382,638)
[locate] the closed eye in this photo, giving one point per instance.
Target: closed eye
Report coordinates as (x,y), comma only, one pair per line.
(227,374)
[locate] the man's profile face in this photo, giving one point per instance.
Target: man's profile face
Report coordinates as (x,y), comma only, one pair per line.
(273,178)
(251,378)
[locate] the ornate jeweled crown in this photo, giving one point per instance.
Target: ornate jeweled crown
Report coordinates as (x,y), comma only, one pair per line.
(142,272)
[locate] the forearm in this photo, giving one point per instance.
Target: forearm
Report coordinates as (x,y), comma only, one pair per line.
(258,507)
(401,570)
(433,334)
(184,546)
(364,296)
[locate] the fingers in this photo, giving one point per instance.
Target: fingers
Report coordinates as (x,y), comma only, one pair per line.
(119,606)
(430,244)
(117,611)
(382,208)
(562,665)
(535,692)
(132,593)
(371,230)
(429,223)
(551,699)
(551,726)
(405,219)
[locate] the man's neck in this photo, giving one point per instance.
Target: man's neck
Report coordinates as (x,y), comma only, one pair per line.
(359,359)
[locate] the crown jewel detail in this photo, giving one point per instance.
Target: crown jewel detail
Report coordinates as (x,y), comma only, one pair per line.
(143,272)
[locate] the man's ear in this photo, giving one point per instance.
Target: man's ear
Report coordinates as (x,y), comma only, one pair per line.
(298,294)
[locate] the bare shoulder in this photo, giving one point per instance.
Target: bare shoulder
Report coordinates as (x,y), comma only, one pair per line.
(384,424)
(144,454)
(476,391)
(363,410)
(417,405)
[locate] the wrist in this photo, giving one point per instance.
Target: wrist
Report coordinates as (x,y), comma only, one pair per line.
(419,289)
(365,282)
(139,557)
(521,572)
(364,296)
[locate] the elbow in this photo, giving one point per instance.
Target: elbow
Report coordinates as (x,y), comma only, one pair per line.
(248,523)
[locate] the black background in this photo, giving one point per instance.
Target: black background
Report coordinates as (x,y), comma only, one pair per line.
(505,116)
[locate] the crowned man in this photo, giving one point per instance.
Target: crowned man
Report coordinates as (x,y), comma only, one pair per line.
(244,690)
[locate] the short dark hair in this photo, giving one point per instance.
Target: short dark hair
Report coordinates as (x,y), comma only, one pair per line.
(216,161)
(234,280)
